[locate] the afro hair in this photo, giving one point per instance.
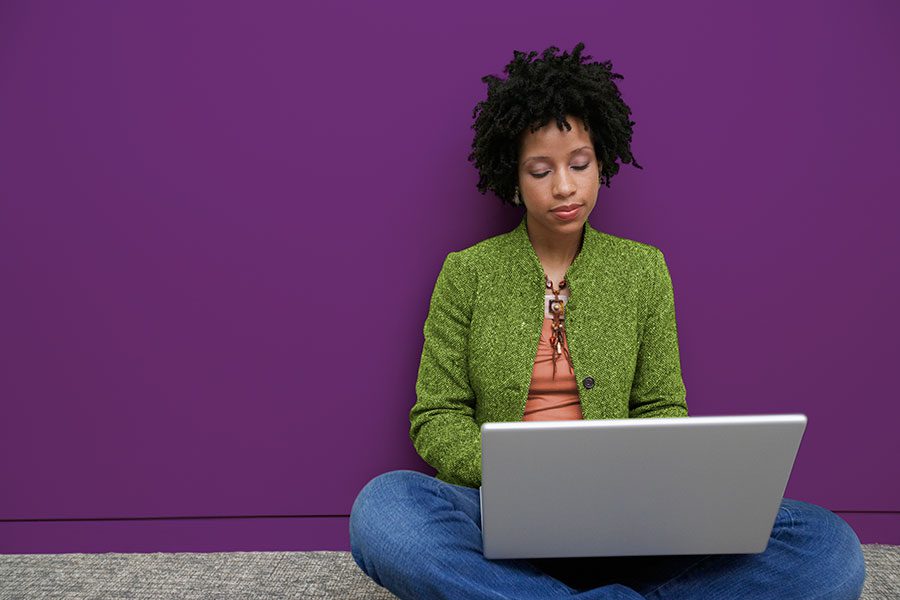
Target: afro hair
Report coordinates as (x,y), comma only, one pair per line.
(537,91)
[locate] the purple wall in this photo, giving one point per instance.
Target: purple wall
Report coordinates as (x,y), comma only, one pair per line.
(220,225)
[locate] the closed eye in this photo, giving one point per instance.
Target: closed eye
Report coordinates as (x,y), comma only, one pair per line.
(576,167)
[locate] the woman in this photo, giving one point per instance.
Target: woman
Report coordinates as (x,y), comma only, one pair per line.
(557,320)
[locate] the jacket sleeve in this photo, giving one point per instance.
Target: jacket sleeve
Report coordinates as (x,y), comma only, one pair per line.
(442,421)
(658,389)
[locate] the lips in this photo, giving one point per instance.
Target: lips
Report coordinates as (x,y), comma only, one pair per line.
(565,208)
(567,215)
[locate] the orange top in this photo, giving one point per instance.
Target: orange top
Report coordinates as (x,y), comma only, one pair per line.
(549,398)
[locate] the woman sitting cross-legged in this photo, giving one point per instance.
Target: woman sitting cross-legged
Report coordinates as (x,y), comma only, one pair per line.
(546,139)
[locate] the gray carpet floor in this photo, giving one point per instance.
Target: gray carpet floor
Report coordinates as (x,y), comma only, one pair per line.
(258,575)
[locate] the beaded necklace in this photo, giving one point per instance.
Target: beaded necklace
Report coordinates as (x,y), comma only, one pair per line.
(558,337)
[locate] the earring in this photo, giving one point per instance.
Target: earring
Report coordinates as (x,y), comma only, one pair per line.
(516,199)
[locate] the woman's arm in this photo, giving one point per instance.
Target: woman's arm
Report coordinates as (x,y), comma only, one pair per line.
(658,389)
(442,421)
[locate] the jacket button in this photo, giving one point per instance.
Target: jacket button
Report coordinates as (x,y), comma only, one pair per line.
(588,382)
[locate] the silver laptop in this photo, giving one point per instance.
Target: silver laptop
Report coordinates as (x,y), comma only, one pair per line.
(630,487)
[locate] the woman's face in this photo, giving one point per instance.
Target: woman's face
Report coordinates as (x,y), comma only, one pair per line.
(558,169)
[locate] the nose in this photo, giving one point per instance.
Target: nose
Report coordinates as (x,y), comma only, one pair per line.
(563,184)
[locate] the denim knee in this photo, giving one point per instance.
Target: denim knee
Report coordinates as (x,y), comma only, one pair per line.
(366,514)
(847,557)
(382,487)
(834,549)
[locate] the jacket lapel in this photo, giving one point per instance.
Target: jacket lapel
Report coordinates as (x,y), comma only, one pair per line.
(506,327)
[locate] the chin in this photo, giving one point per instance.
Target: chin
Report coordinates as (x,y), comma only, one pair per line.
(576,224)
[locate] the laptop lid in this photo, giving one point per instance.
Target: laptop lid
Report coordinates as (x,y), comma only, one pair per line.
(629,487)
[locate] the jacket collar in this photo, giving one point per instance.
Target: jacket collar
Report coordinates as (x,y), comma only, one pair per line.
(529,261)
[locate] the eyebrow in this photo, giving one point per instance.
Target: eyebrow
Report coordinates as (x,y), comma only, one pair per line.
(547,157)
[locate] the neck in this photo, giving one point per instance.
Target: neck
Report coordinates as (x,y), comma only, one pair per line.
(556,251)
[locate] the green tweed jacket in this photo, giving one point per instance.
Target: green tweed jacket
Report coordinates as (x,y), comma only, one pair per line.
(483,328)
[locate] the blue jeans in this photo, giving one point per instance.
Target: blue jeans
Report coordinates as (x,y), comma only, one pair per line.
(420,538)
